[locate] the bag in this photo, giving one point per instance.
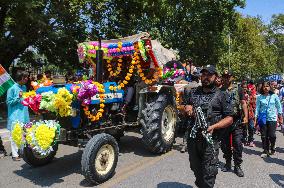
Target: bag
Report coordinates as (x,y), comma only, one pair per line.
(262,117)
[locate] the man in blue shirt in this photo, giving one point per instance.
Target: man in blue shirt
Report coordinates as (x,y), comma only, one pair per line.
(16,111)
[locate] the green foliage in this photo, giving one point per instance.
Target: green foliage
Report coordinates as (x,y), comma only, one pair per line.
(276,39)
(54,28)
(251,56)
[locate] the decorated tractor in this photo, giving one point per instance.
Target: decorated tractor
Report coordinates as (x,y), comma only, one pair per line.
(130,91)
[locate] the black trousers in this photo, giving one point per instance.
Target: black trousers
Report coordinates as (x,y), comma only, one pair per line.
(268,136)
(236,152)
(203,159)
(1,145)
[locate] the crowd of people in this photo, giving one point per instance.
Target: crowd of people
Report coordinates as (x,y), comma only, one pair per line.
(234,114)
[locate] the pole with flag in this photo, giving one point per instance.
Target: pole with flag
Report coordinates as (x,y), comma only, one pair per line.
(5,81)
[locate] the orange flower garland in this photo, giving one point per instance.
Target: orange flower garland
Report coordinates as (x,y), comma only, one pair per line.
(118,70)
(99,114)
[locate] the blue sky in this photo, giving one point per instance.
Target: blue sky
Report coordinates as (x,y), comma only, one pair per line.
(263,8)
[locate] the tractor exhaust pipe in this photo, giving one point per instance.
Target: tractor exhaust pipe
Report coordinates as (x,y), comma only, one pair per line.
(99,62)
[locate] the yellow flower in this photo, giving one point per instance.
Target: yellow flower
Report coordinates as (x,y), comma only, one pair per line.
(17,135)
(120,60)
(144,78)
(127,78)
(131,70)
(121,85)
(110,87)
(132,67)
(102,105)
(125,82)
(44,136)
(141,74)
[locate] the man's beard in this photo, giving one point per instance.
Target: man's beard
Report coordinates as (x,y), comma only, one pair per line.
(207,84)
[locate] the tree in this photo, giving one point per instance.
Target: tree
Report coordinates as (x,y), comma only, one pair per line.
(54,28)
(276,38)
(251,56)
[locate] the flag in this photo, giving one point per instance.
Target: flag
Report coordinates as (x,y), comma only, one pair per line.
(5,81)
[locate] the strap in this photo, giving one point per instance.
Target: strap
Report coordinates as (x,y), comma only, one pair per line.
(268,104)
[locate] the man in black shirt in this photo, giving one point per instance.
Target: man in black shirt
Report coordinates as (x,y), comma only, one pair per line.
(218,114)
(239,105)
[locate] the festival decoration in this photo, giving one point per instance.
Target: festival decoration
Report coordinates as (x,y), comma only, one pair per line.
(44,135)
(118,69)
(29,94)
(87,90)
(17,134)
(99,113)
(39,136)
(32,101)
(62,102)
(47,101)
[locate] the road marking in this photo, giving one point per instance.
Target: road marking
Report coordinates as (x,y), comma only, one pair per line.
(134,168)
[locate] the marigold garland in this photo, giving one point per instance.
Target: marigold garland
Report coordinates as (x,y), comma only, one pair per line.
(118,69)
(99,114)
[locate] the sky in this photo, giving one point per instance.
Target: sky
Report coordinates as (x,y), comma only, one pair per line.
(263,8)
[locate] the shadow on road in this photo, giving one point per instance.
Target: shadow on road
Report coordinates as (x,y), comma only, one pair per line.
(274,160)
(133,144)
(52,173)
(278,179)
(173,185)
(251,151)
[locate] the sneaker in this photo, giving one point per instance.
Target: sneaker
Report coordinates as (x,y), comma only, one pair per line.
(16,158)
(238,171)
(251,144)
(227,167)
(264,155)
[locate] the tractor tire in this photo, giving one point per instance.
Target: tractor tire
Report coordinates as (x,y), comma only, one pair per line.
(158,122)
(34,159)
(100,158)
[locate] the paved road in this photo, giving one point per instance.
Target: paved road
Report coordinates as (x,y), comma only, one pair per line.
(140,169)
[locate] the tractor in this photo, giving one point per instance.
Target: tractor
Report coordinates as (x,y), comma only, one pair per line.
(152,107)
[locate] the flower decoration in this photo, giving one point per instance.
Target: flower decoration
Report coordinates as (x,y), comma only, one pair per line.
(62,102)
(33,102)
(29,94)
(87,90)
(43,136)
(47,101)
(17,134)
(99,114)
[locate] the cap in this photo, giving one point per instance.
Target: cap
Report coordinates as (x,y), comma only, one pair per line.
(227,72)
(209,68)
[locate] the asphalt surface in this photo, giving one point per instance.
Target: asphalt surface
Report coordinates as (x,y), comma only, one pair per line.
(138,168)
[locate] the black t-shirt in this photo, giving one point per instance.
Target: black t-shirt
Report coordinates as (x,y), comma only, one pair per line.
(214,104)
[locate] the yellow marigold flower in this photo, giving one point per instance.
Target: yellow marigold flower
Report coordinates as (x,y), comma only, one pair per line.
(127,78)
(110,87)
(141,74)
(125,82)
(131,70)
(120,60)
(102,105)
(121,85)
(144,78)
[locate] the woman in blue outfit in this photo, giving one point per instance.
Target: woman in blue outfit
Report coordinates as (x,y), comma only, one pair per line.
(268,103)
(16,111)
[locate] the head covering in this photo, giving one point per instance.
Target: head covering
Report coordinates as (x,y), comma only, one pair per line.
(209,68)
